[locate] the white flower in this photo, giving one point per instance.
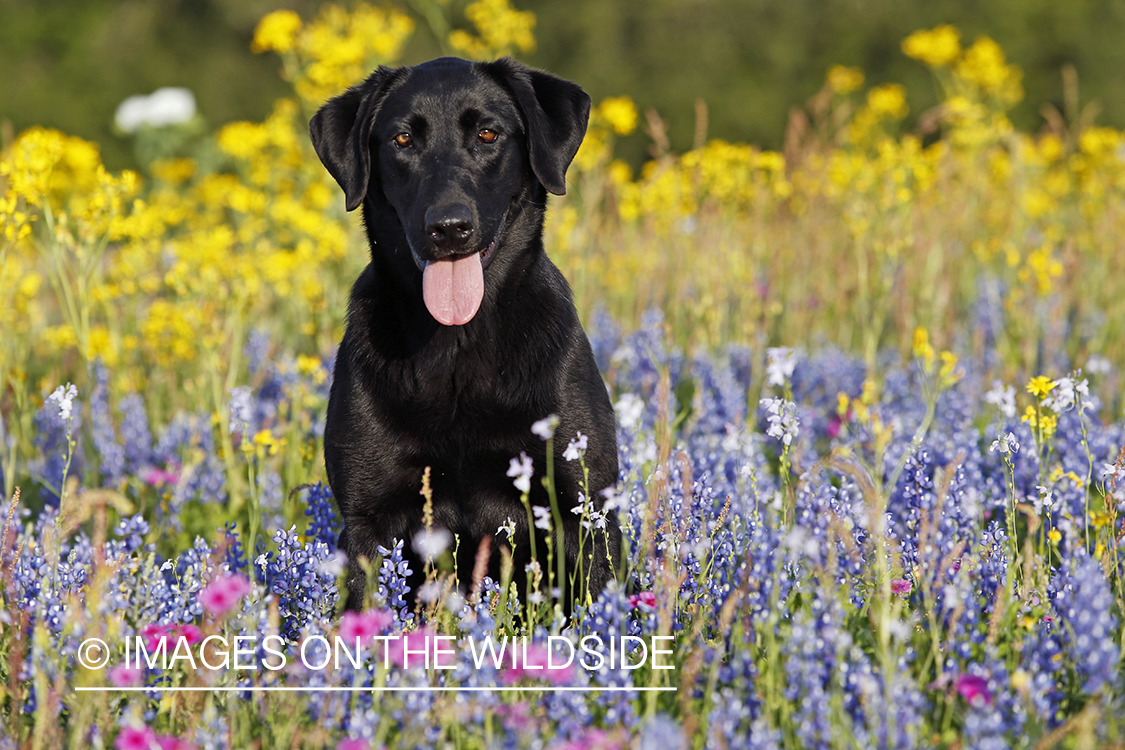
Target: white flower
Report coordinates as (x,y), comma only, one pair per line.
(545,428)
(171,105)
(241,410)
(629,409)
(334,564)
(1003,397)
(520,468)
(429,592)
(784,423)
(576,448)
(64,397)
(508,528)
(1113,471)
(430,543)
(1098,365)
(781,360)
(613,499)
(542,517)
(1005,444)
(1045,499)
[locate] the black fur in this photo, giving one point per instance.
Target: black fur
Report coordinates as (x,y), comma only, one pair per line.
(410,392)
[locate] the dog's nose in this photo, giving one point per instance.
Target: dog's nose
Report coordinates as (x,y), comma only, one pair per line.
(449,227)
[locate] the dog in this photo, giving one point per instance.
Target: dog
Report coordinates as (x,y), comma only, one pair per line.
(461,333)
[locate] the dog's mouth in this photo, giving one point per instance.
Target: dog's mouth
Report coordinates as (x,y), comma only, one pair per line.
(453,288)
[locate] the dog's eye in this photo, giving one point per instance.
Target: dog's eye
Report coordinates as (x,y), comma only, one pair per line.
(403,140)
(487,136)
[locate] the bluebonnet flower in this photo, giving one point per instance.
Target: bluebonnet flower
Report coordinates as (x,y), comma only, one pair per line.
(324,526)
(53,432)
(102,431)
(136,437)
(132,532)
(392,580)
(295,575)
(1086,605)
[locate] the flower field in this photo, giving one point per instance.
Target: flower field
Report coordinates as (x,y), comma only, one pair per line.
(869,404)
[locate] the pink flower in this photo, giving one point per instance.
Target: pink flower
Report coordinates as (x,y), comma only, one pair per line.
(223,594)
(594,739)
(135,738)
(901,586)
(190,633)
(974,689)
(353,744)
(168,742)
(534,663)
(363,625)
(154,634)
(155,477)
(425,646)
(516,717)
(123,676)
(647,598)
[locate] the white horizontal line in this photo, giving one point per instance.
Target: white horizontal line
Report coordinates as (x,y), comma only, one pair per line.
(310,688)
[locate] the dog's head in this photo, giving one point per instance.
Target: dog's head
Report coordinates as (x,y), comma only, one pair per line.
(453,148)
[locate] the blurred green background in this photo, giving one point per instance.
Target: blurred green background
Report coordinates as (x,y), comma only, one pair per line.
(69,63)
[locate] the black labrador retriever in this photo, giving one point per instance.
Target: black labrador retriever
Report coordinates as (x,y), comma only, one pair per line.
(461,333)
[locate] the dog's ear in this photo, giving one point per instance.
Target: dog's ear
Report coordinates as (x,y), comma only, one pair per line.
(341,134)
(556,112)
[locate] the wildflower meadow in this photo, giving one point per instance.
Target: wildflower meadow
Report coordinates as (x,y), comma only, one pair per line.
(869,400)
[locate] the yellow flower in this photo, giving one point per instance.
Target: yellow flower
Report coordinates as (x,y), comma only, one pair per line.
(922,348)
(1040,386)
(501,30)
(949,373)
(844,80)
(888,100)
(984,65)
(620,113)
(265,439)
(277,32)
(936,48)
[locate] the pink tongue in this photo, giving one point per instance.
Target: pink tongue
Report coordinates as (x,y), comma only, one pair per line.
(453,289)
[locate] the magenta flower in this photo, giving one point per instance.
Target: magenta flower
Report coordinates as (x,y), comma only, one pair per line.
(353,744)
(168,742)
(190,633)
(223,594)
(135,738)
(594,739)
(422,647)
(154,634)
(974,689)
(534,664)
(123,676)
(901,586)
(155,477)
(647,598)
(363,625)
